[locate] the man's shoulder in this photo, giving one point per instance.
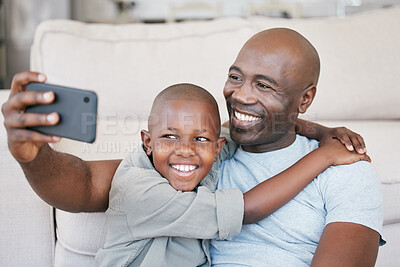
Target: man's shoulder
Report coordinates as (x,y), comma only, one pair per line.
(359,168)
(361,174)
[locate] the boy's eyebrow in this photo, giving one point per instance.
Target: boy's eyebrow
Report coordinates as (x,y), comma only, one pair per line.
(199,131)
(258,76)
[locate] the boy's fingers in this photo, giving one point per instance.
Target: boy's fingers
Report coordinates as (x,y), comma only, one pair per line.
(366,157)
(356,144)
(362,143)
(344,138)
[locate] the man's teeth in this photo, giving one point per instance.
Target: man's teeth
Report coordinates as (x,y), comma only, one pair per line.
(244,117)
(184,168)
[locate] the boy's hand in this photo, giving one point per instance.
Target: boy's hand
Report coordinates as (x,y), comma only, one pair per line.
(352,141)
(338,155)
(24,144)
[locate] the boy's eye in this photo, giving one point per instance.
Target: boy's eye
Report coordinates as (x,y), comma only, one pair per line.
(169,136)
(201,139)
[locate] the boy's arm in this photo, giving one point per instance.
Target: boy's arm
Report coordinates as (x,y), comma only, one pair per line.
(62,180)
(321,133)
(151,207)
(272,194)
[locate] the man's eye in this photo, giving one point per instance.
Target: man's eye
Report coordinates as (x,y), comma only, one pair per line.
(234,77)
(263,86)
(169,136)
(201,139)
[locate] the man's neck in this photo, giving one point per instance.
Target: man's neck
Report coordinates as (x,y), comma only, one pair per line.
(282,142)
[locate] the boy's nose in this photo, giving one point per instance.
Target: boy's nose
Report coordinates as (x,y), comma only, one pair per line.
(185,149)
(244,94)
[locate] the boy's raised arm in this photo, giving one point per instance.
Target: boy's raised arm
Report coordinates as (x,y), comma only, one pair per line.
(312,130)
(60,179)
(270,195)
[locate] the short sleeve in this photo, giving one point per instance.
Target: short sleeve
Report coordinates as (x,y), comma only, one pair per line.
(353,194)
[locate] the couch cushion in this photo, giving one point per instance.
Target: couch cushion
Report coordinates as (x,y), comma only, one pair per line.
(26,224)
(381,138)
(80,233)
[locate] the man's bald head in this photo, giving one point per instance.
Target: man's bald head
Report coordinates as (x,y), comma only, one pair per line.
(302,56)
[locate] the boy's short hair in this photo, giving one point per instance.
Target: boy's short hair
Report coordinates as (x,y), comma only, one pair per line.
(186,91)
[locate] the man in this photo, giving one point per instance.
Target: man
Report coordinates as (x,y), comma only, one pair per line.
(273,79)
(338,216)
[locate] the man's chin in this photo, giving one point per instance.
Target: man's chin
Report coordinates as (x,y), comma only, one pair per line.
(241,136)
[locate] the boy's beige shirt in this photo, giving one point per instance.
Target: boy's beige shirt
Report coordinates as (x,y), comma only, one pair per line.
(152,224)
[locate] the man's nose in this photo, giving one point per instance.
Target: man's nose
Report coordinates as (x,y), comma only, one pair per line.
(185,149)
(244,94)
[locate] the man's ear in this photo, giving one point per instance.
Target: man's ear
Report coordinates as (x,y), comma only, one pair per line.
(219,145)
(307,98)
(146,140)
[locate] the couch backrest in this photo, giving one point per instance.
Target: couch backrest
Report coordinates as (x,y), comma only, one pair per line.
(127,65)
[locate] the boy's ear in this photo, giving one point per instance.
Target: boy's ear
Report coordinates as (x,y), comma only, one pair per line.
(220,144)
(146,140)
(307,98)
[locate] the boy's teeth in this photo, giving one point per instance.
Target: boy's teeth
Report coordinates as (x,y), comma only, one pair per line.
(244,117)
(184,168)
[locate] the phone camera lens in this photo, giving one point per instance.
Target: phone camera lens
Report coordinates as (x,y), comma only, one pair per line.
(86,99)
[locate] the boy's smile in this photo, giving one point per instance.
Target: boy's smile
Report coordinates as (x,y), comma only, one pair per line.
(184,141)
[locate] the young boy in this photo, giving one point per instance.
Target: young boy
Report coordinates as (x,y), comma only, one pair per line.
(163,207)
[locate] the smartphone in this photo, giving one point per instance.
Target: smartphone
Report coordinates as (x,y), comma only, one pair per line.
(77,110)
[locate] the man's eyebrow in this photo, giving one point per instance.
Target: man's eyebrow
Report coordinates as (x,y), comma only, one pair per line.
(235,68)
(258,76)
(265,77)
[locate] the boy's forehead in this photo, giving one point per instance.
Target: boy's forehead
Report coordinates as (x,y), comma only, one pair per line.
(171,113)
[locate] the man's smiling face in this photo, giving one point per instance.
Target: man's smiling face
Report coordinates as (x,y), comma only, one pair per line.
(262,95)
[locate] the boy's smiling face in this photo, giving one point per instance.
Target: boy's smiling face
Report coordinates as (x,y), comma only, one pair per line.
(183,141)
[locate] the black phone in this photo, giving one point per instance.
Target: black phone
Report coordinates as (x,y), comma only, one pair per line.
(77,109)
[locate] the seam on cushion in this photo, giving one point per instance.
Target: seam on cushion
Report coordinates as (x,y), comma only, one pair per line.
(81,252)
(248,25)
(390,183)
(53,234)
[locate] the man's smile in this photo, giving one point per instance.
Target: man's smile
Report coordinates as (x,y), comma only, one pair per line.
(241,119)
(245,117)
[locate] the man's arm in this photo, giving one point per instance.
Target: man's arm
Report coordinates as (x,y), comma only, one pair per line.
(69,183)
(62,180)
(346,244)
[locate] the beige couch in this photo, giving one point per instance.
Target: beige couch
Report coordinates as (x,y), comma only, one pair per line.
(128,64)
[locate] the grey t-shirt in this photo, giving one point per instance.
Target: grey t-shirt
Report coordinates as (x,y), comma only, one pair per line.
(289,237)
(151,224)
